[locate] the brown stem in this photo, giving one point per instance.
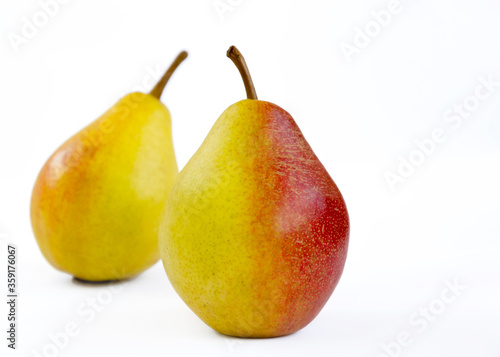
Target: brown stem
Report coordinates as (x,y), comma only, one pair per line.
(158,89)
(240,63)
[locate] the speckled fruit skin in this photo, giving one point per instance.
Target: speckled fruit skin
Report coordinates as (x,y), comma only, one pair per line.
(255,232)
(97,202)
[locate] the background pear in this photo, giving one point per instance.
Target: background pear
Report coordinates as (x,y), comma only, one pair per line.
(255,232)
(96,204)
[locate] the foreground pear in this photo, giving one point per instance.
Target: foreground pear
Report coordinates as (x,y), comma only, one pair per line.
(97,202)
(255,232)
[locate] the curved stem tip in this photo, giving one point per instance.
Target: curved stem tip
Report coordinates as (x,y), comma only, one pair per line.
(160,86)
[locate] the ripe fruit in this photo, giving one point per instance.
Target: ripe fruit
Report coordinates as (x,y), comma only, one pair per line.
(255,232)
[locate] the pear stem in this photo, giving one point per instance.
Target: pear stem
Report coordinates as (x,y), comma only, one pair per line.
(240,63)
(160,86)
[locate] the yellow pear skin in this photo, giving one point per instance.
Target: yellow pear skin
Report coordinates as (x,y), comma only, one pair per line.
(97,201)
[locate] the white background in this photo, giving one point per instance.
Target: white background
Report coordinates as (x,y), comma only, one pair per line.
(439,226)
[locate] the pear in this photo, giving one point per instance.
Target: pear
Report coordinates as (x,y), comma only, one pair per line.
(255,232)
(97,202)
